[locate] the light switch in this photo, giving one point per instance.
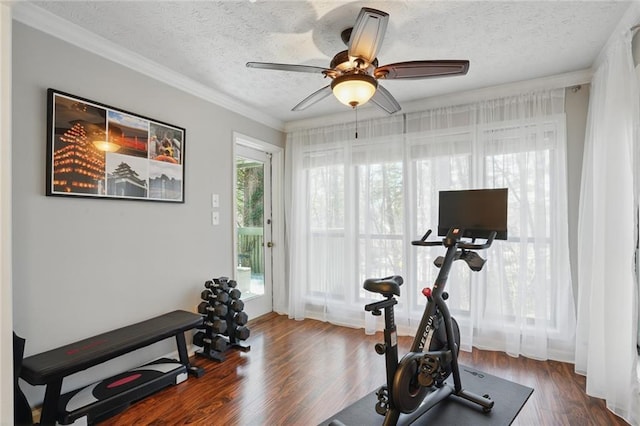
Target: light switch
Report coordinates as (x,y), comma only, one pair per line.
(215,218)
(215,201)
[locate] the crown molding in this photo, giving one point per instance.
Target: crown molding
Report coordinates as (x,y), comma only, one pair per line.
(45,21)
(509,89)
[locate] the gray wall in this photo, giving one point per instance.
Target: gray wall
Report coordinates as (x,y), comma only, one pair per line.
(85,266)
(636,61)
(576,109)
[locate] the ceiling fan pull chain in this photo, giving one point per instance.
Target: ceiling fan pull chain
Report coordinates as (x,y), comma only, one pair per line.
(356,108)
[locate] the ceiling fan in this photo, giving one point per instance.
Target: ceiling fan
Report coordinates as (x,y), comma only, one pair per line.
(355,71)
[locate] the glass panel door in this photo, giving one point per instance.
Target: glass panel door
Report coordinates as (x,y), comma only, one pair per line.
(253,225)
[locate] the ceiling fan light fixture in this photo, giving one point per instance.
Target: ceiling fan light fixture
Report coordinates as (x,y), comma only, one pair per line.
(354,89)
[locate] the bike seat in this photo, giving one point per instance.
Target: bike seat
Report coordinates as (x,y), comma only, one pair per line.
(385,286)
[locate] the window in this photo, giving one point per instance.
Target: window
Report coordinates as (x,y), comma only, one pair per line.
(361,202)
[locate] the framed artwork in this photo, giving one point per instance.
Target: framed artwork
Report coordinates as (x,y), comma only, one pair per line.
(95,150)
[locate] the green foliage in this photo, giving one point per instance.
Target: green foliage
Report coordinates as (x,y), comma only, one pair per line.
(250,194)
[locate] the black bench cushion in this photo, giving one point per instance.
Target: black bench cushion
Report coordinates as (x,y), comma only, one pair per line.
(61,362)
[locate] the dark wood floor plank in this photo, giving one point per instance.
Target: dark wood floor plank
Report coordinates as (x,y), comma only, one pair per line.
(302,372)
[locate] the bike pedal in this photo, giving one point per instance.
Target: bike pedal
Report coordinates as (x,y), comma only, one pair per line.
(382,406)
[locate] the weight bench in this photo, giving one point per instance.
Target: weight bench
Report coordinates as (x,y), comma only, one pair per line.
(51,367)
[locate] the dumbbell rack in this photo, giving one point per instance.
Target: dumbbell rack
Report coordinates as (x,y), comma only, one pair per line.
(224,322)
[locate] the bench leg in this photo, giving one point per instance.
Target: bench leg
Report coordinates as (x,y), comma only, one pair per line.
(184,356)
(49,412)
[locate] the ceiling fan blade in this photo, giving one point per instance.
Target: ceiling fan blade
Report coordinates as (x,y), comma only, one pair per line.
(421,69)
(286,67)
(316,96)
(367,34)
(385,100)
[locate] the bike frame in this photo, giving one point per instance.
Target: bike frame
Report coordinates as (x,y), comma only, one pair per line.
(435,303)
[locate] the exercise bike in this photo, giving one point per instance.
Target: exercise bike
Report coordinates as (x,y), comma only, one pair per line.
(417,383)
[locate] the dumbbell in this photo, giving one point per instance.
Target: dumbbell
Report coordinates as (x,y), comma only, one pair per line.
(218,326)
(217,309)
(236,305)
(220,283)
(234,293)
(217,343)
(232,283)
(240,333)
(216,295)
(241,318)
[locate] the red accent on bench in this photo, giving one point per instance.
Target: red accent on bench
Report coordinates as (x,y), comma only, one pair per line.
(124,381)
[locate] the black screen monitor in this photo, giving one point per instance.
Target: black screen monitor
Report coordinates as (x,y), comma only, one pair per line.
(477,211)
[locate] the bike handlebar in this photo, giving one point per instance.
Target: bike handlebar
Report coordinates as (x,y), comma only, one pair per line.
(422,242)
(458,243)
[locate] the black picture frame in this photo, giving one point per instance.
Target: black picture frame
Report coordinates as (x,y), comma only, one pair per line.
(98,151)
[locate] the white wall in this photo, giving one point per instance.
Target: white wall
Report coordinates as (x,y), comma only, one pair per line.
(85,266)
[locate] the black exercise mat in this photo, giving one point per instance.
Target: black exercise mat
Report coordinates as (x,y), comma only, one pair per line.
(509,399)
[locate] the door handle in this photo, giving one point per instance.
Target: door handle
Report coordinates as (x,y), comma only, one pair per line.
(269,244)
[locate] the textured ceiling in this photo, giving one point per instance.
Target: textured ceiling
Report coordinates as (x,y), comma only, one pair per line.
(210,41)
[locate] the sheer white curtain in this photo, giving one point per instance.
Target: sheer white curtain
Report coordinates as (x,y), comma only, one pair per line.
(326,263)
(607,235)
(355,205)
(522,303)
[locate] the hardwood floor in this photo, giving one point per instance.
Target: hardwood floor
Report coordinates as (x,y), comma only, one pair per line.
(302,372)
